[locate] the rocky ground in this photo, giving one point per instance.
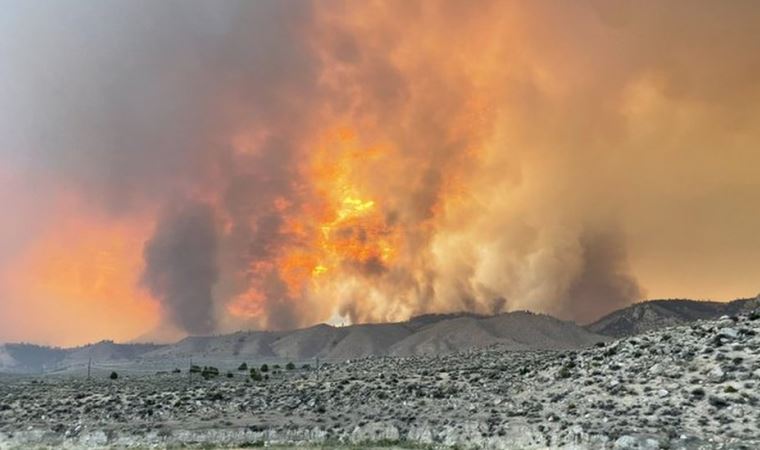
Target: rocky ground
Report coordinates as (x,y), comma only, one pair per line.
(695,386)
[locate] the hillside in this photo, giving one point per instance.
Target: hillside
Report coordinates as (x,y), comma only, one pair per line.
(423,335)
(432,334)
(512,331)
(29,358)
(655,314)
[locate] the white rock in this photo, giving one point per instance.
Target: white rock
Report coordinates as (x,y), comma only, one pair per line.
(716,375)
(655,369)
(732,333)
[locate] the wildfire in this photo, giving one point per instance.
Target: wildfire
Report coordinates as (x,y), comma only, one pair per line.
(342,230)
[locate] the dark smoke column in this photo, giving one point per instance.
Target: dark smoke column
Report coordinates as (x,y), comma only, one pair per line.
(180,266)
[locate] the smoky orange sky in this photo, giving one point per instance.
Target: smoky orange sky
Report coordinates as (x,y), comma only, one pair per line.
(189,167)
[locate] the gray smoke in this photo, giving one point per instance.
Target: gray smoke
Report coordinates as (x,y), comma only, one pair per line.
(604,283)
(180,266)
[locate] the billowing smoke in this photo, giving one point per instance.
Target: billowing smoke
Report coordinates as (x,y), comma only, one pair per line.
(368,161)
(181,268)
(604,281)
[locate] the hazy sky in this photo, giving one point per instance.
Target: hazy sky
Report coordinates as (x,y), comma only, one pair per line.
(194,167)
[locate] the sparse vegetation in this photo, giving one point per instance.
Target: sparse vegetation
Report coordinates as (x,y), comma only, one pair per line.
(113,376)
(264,368)
(638,388)
(243,367)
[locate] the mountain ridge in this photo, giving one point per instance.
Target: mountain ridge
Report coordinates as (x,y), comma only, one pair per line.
(421,335)
(655,314)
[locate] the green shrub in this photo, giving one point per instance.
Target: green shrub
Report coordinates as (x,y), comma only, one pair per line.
(256,375)
(243,367)
(209,372)
(290,366)
(195,369)
(264,368)
(564,372)
(114,375)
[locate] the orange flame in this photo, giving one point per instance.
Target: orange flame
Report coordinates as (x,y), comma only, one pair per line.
(343,229)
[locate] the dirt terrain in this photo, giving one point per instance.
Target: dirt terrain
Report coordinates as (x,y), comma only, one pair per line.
(693,386)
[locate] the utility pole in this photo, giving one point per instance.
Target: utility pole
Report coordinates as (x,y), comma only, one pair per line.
(89,367)
(190,371)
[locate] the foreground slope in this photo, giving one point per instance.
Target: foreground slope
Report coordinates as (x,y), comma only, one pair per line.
(687,387)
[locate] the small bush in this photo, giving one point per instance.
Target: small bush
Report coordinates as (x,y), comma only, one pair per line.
(243,367)
(276,366)
(256,375)
(176,371)
(306,367)
(564,372)
(290,366)
(209,372)
(230,375)
(114,375)
(264,368)
(195,369)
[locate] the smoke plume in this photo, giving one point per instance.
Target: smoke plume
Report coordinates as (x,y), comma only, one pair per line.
(369,161)
(180,266)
